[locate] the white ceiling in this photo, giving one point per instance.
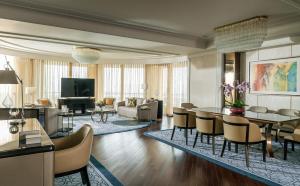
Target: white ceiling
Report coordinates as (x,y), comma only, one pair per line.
(186,21)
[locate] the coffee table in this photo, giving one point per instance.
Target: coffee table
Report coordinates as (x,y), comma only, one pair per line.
(101,114)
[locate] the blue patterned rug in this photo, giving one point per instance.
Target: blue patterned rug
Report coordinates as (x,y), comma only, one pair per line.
(275,171)
(98,175)
(114,124)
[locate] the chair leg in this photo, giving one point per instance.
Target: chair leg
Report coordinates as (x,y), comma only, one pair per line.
(236,148)
(229,146)
(213,144)
(201,138)
(247,155)
(186,136)
(264,150)
(191,131)
(195,139)
(293,146)
(285,150)
(85,176)
(276,135)
(208,138)
(223,148)
(173,133)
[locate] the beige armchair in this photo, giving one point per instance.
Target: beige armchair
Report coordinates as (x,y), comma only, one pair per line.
(239,130)
(183,119)
(72,153)
(109,102)
(210,125)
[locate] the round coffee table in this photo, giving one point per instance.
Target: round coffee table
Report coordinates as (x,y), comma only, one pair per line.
(102,114)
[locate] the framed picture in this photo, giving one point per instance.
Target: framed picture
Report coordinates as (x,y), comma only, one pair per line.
(280,76)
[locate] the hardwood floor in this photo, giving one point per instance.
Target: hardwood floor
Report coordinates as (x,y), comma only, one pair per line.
(139,160)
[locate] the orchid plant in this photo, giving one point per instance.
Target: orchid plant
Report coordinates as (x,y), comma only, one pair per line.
(240,88)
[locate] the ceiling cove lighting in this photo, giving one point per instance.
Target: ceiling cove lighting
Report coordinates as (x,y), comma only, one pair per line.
(240,36)
(85,55)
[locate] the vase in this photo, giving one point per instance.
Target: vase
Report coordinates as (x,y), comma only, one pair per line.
(237,110)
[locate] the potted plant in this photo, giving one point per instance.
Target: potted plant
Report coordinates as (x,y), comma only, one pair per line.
(234,96)
(100,104)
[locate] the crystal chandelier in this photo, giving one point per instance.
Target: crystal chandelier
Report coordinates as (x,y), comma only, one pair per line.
(240,36)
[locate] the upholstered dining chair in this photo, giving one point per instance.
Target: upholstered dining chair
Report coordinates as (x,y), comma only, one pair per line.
(188,105)
(210,125)
(183,119)
(287,127)
(239,130)
(72,153)
(259,109)
(293,138)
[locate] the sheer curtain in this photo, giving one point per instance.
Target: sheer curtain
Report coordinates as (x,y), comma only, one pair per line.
(112,81)
(53,72)
(134,79)
(180,83)
(79,70)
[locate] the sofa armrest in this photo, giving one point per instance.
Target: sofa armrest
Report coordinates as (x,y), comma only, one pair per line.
(122,103)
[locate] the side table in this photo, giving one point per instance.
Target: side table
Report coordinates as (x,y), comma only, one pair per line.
(70,116)
(144,114)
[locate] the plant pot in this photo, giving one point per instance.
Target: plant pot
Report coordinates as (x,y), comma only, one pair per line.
(237,110)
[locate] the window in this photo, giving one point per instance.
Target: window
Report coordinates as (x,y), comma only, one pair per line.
(53,72)
(112,81)
(134,80)
(79,70)
(180,82)
(6,89)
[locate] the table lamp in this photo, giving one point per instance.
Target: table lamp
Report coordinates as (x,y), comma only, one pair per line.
(9,76)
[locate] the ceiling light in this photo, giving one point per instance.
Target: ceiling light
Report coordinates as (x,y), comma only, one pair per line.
(240,36)
(86,55)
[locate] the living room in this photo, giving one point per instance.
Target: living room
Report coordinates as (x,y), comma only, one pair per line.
(94,94)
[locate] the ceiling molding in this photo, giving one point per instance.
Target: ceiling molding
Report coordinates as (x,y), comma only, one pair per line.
(47,8)
(85,44)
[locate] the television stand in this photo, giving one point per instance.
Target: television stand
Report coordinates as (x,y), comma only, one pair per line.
(77,104)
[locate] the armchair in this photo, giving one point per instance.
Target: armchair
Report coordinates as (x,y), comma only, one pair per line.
(72,153)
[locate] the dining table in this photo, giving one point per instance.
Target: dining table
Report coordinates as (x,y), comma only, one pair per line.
(269,119)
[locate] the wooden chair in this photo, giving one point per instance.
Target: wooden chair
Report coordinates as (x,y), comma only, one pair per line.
(210,125)
(72,153)
(183,119)
(293,138)
(239,130)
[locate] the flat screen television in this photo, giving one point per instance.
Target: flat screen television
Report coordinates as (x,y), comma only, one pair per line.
(77,87)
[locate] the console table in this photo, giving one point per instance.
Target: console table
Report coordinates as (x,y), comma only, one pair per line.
(22,164)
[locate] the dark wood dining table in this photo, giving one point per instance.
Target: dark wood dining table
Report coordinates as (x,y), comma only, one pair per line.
(270,119)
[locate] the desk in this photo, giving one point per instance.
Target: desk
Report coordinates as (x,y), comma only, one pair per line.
(25,165)
(268,118)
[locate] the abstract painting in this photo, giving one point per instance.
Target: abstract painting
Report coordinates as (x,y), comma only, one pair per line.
(275,76)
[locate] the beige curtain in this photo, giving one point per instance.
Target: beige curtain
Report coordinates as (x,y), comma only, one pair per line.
(133,80)
(24,69)
(112,81)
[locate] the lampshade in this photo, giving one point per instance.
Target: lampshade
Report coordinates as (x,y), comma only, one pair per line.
(8,77)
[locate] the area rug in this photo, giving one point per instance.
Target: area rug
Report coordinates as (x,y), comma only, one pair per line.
(275,171)
(114,124)
(98,175)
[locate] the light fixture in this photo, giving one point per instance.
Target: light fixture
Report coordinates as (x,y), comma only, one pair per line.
(9,76)
(240,36)
(86,55)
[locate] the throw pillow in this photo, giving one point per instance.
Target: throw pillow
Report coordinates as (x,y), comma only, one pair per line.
(109,101)
(131,102)
(139,101)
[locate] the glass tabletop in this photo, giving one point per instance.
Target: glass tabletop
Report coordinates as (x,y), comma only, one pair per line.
(265,117)
(9,137)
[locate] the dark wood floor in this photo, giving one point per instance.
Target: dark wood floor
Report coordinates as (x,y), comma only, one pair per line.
(139,160)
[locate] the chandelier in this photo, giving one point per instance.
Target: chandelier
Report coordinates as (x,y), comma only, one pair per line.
(240,36)
(85,55)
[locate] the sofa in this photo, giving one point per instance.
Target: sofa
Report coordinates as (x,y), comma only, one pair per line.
(136,111)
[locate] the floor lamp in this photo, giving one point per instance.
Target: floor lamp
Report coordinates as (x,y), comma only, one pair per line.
(9,76)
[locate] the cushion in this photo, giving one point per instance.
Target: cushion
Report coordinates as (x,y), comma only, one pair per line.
(109,101)
(131,102)
(44,102)
(139,101)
